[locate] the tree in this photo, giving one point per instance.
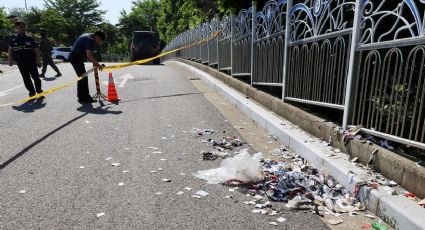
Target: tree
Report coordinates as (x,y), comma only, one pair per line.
(81,14)
(5,24)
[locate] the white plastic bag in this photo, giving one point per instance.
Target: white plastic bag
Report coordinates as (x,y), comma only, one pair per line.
(240,169)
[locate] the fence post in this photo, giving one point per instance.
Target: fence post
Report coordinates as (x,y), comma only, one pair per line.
(254,13)
(231,44)
(287,41)
(208,42)
(218,41)
(352,69)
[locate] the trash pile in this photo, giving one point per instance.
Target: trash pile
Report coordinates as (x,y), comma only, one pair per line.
(221,146)
(293,181)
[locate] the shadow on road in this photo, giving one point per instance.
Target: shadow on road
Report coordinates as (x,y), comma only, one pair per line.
(30,106)
(49,79)
(86,109)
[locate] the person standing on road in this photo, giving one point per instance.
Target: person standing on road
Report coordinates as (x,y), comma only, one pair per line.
(82,50)
(46,54)
(24,50)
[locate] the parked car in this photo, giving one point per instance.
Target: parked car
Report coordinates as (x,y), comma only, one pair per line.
(61,53)
(145,44)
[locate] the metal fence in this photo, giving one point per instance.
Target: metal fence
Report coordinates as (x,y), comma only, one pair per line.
(364,58)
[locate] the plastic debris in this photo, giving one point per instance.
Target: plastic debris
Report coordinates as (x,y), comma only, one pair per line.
(115,164)
(22,191)
(379,226)
(162,159)
(188,189)
(108,158)
(240,169)
(160,169)
(126,148)
(180,193)
(100,214)
(182,174)
(121,184)
(154,171)
(125,171)
(365,226)
(228,197)
(197,196)
(273,223)
(422,203)
(159,193)
(281,220)
(164,138)
(370,216)
(209,156)
(157,152)
(166,180)
(202,193)
(335,221)
(81,167)
(202,132)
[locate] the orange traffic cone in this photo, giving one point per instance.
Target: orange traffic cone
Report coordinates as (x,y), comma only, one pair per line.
(112,92)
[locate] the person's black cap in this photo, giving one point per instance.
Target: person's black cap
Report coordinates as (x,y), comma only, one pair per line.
(100,34)
(20,22)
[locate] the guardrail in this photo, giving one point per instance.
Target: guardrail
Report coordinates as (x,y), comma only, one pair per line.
(364,58)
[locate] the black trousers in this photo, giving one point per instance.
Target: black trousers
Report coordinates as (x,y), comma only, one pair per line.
(49,61)
(29,70)
(82,85)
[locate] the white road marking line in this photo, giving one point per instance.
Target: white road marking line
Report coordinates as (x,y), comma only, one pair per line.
(6,92)
(125,78)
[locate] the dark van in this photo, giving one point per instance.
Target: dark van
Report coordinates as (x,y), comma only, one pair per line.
(145,44)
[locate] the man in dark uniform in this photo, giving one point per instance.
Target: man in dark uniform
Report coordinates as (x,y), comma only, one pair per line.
(82,50)
(46,54)
(23,49)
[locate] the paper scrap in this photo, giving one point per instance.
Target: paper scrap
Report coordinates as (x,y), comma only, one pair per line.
(100,214)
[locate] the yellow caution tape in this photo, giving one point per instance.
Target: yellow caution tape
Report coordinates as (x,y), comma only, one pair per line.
(107,68)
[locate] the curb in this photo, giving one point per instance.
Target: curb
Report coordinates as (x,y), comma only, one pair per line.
(398,211)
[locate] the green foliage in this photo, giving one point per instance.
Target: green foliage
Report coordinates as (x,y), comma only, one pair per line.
(5,24)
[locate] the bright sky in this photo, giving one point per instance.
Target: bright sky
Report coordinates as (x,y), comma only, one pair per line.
(113,7)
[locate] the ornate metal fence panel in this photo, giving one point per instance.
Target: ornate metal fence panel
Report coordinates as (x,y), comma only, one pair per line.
(389,94)
(213,43)
(205,32)
(319,51)
(224,44)
(242,42)
(269,44)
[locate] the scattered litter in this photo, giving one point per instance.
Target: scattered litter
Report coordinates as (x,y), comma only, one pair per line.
(160,169)
(166,180)
(355,159)
(100,214)
(184,153)
(370,216)
(379,226)
(202,193)
(154,171)
(182,174)
(163,159)
(153,148)
(159,193)
(201,132)
(365,226)
(281,220)
(240,169)
(188,189)
(115,164)
(157,152)
(87,122)
(273,223)
(335,221)
(233,189)
(22,191)
(81,167)
(209,156)
(422,203)
(125,171)
(196,196)
(126,148)
(88,152)
(228,197)
(121,184)
(180,193)
(164,138)
(108,158)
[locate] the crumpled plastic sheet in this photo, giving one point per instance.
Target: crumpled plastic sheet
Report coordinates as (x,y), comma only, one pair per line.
(240,169)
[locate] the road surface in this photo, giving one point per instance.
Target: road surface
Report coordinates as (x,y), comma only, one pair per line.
(56,157)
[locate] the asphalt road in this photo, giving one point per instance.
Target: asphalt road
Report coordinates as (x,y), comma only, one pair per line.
(60,152)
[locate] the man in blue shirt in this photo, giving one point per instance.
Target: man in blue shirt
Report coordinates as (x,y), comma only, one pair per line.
(24,50)
(82,50)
